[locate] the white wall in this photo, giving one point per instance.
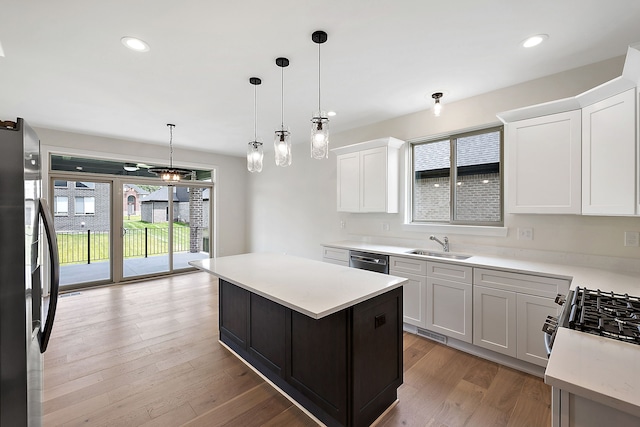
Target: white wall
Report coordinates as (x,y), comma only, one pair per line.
(293,210)
(230,175)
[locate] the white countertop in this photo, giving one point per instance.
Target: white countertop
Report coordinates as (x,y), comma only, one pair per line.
(597,368)
(314,288)
(594,278)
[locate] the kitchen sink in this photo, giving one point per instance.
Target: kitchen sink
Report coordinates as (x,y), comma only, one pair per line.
(438,254)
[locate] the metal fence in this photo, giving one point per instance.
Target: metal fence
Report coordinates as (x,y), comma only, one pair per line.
(88,246)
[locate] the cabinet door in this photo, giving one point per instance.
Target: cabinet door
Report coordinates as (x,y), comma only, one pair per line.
(543,164)
(494,320)
(349,182)
(449,308)
(532,312)
(414,296)
(609,156)
(373,180)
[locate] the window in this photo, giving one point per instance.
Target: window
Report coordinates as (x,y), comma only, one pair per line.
(85,205)
(90,185)
(61,205)
(458,180)
(60,184)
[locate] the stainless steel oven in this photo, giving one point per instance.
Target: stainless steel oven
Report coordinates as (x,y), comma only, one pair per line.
(368,261)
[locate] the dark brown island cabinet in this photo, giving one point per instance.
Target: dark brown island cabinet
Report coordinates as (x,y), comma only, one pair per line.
(343,368)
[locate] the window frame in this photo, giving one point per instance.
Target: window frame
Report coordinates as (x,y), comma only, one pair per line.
(55,206)
(453,175)
(84,211)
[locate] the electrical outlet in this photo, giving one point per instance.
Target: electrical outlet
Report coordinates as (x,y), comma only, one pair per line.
(385,226)
(631,238)
(525,233)
(343,224)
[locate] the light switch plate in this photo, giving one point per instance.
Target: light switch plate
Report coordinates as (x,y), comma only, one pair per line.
(631,238)
(385,226)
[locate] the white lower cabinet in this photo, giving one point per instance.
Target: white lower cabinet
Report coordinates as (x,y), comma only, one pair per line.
(449,308)
(450,300)
(532,312)
(494,319)
(414,293)
(509,310)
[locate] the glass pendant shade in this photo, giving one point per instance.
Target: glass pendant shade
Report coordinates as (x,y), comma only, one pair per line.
(320,120)
(254,156)
(282,138)
(320,136)
(282,147)
(254,149)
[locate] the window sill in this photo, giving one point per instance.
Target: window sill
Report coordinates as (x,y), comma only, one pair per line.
(469,230)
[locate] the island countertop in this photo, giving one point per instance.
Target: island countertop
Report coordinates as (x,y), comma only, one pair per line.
(316,289)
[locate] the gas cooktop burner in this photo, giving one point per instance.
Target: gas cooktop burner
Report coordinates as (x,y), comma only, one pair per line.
(605,313)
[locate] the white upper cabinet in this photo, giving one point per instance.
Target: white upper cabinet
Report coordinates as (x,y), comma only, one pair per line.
(543,164)
(609,156)
(576,155)
(368,176)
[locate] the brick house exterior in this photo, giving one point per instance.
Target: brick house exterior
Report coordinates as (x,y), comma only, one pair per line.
(81,206)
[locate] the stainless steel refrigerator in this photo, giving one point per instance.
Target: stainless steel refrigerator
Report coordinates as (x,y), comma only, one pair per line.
(28,260)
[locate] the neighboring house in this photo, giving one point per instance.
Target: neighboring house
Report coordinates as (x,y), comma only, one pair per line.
(131,198)
(189,204)
(80,206)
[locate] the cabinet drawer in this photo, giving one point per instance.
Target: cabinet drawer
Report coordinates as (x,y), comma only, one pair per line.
(523,283)
(458,273)
(335,254)
(407,265)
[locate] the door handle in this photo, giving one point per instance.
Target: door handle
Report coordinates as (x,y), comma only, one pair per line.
(45,214)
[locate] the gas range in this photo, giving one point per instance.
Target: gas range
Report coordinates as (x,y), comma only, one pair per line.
(607,314)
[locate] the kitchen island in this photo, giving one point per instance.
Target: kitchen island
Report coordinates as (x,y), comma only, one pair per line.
(329,337)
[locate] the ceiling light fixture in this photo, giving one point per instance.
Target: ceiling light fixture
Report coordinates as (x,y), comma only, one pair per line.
(437,107)
(320,120)
(282,141)
(135,44)
(534,40)
(130,167)
(170,175)
(254,151)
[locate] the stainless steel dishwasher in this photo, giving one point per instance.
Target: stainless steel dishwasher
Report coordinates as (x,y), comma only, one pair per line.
(368,261)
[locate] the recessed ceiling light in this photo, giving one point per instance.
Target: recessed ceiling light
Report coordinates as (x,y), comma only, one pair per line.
(331,113)
(534,40)
(135,44)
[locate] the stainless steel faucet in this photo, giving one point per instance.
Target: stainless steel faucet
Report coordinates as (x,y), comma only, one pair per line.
(445,244)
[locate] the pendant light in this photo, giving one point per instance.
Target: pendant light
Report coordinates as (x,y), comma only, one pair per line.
(170,175)
(437,107)
(320,120)
(254,150)
(282,141)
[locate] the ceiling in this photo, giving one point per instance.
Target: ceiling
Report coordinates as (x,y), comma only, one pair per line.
(64,67)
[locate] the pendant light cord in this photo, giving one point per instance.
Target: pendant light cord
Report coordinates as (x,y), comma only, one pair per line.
(319,111)
(282,98)
(255,115)
(171,146)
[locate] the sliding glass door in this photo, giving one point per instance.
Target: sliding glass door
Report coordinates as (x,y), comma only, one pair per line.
(145,230)
(115,221)
(82,220)
(163,228)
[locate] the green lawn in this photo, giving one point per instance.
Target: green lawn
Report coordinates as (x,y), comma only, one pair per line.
(140,238)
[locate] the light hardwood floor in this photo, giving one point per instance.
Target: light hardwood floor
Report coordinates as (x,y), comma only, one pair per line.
(146,354)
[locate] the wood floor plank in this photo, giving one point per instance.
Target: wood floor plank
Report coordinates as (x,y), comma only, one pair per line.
(147,353)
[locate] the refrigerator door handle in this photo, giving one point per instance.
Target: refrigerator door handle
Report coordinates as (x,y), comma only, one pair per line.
(45,213)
